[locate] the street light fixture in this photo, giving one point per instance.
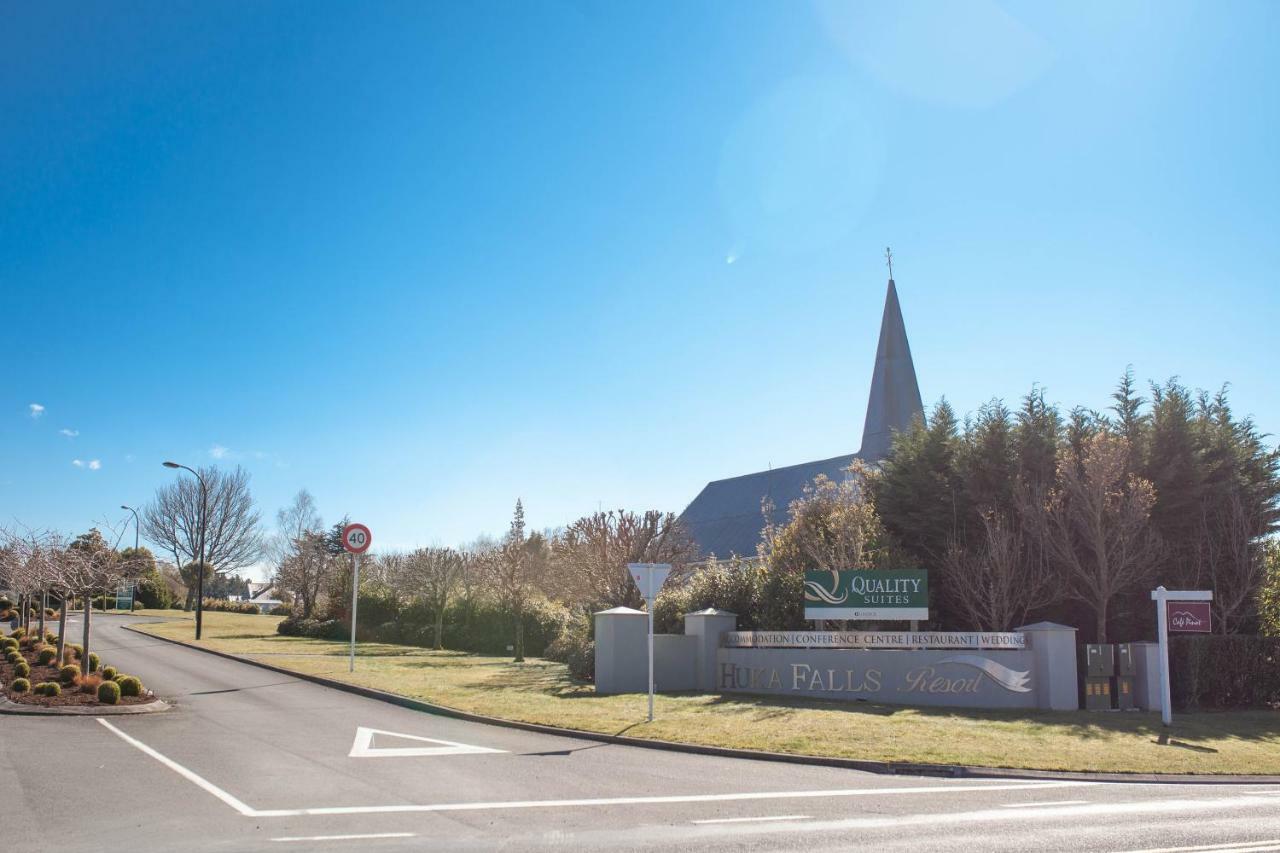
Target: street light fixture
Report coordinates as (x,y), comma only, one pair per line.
(200,563)
(133,587)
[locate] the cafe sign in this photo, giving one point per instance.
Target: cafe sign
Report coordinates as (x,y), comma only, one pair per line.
(866,594)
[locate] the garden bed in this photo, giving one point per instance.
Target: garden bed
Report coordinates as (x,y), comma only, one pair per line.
(28,677)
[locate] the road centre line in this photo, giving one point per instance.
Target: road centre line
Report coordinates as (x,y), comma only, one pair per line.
(348,837)
(1249,846)
(753,819)
(249,811)
(1048,803)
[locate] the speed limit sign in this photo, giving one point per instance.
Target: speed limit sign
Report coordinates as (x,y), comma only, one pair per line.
(356,538)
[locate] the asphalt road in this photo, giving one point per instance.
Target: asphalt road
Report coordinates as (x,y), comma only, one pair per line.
(252,760)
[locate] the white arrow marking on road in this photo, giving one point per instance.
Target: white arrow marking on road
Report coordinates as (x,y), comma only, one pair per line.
(363,746)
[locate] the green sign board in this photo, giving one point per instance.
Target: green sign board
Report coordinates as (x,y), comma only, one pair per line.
(867,594)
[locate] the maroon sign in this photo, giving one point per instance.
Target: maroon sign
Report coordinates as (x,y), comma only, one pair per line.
(1189,616)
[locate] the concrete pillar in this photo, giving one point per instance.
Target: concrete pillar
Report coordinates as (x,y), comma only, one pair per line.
(707,626)
(622,651)
(1053,649)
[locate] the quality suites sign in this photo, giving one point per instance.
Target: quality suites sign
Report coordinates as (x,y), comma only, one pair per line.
(866,594)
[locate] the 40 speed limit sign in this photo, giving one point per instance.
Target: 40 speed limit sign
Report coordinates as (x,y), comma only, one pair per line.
(356,538)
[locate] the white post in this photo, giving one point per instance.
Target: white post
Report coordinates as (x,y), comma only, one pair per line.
(355,600)
(1162,629)
(649,607)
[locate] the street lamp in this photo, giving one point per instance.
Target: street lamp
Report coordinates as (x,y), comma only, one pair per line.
(200,563)
(133,587)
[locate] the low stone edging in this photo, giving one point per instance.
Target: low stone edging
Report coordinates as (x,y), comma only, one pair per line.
(7,706)
(882,767)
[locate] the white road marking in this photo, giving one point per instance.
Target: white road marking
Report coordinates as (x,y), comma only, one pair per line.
(362,746)
(348,837)
(754,819)
(659,800)
(952,786)
(182,771)
(1038,805)
(1251,846)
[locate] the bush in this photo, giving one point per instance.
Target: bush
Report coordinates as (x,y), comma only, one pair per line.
(328,629)
(69,673)
(18,633)
(129,686)
(13,657)
(22,669)
(94,662)
(89,684)
(222,605)
(576,647)
(47,656)
(1214,671)
(282,610)
(77,649)
(8,643)
(20,685)
(48,688)
(109,673)
(108,693)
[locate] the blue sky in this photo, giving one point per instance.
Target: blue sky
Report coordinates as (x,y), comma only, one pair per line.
(422,259)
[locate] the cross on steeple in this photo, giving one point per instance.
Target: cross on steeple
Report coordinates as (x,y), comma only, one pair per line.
(888,259)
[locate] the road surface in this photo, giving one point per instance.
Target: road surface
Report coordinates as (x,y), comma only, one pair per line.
(253,760)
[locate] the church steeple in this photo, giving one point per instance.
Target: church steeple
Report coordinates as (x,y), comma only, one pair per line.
(895,395)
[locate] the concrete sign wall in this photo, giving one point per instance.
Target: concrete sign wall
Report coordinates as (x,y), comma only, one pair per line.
(988,679)
(874,640)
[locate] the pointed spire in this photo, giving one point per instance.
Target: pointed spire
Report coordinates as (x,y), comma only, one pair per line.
(895,395)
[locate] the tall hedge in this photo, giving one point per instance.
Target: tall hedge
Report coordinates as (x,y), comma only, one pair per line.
(1233,671)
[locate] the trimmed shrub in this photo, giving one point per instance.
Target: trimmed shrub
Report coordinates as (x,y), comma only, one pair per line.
(94,662)
(8,643)
(69,673)
(576,647)
(20,685)
(78,649)
(137,605)
(48,688)
(282,610)
(130,686)
(47,656)
(13,656)
(108,693)
(18,633)
(22,669)
(1234,671)
(109,673)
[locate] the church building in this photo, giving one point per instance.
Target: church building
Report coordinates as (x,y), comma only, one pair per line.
(726,518)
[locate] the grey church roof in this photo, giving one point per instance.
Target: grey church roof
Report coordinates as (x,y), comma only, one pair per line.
(726,517)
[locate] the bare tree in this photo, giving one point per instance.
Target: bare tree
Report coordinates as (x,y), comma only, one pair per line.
(996,582)
(515,570)
(590,556)
(299,517)
(434,575)
(232,540)
(1096,525)
(91,566)
(307,571)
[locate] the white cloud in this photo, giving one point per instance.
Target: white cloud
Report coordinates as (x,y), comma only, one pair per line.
(36,409)
(94,464)
(219,452)
(79,463)
(69,433)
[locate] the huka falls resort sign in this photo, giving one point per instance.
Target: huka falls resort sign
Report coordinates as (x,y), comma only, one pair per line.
(866,594)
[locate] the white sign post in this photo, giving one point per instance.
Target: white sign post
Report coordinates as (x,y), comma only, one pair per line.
(1161,596)
(649,578)
(355,539)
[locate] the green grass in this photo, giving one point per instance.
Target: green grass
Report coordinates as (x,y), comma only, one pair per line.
(542,691)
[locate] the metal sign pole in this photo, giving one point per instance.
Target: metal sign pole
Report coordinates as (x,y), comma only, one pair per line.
(649,606)
(355,601)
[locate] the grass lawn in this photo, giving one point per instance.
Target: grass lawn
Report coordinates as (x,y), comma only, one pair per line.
(541,691)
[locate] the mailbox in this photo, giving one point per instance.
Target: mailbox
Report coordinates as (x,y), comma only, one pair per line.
(1097,664)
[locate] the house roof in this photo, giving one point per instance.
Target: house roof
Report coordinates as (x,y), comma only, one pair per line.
(726,517)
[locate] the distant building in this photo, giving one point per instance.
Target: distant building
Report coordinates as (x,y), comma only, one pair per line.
(264,595)
(726,517)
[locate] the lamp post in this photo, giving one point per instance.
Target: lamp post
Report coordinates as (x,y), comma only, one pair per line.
(200,562)
(133,587)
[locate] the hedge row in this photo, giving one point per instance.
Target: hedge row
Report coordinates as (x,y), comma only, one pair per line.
(1213,671)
